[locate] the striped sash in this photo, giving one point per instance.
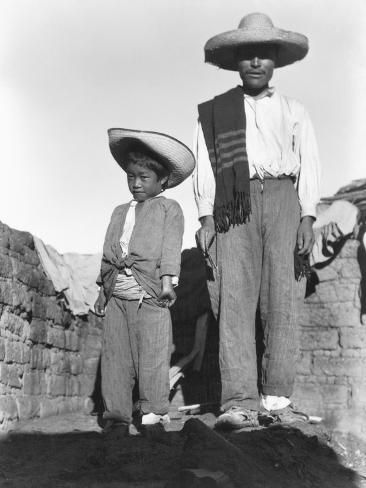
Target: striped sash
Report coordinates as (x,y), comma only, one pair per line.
(223,125)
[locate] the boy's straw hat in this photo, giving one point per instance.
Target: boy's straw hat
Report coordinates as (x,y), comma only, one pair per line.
(172,154)
(255,28)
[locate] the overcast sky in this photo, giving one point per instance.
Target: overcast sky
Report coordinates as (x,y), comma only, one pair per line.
(70,69)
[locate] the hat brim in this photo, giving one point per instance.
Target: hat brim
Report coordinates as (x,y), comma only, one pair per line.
(172,153)
(221,50)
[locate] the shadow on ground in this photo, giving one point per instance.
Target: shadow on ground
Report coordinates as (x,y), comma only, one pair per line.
(276,457)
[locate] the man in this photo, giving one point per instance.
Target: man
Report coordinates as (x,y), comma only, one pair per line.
(256,186)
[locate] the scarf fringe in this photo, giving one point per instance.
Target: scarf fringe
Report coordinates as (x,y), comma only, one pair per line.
(235,212)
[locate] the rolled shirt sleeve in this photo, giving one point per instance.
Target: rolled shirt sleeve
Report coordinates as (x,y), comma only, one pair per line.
(204,184)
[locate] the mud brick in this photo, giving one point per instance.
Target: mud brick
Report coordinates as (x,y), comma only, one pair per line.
(56,385)
(353,337)
(304,363)
(308,397)
(54,311)
(4,236)
(4,373)
(39,307)
(31,383)
(30,257)
(333,315)
(15,372)
(91,365)
(328,273)
(46,358)
(8,408)
(2,349)
(13,352)
(352,367)
(319,339)
(335,394)
(45,285)
(38,331)
(6,293)
(48,407)
(72,342)
(76,364)
(13,323)
(6,268)
(92,347)
(36,357)
(56,337)
(67,318)
(19,240)
(73,386)
(359,394)
(87,384)
(28,407)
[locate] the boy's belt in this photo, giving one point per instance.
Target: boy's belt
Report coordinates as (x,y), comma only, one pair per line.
(280,177)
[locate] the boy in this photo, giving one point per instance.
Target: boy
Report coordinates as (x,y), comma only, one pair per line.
(141,260)
(256,186)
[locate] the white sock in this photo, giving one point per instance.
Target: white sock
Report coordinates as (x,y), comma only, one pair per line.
(271,402)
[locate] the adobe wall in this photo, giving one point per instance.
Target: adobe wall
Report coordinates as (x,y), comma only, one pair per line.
(48,357)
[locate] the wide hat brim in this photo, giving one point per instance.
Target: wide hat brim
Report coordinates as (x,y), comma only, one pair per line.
(173,154)
(221,50)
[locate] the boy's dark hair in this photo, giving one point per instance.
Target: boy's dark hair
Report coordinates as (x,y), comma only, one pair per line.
(143,156)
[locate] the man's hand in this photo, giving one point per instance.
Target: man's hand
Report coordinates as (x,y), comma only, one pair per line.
(99,305)
(305,235)
(167,295)
(206,233)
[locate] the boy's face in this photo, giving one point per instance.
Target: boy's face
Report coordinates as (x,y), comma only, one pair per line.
(143,182)
(255,65)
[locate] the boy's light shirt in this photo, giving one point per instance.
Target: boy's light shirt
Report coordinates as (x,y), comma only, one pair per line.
(280,140)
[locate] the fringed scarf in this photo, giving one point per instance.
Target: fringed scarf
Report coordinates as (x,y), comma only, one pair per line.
(223,124)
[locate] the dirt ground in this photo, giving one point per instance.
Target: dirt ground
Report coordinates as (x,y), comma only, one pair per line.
(70,451)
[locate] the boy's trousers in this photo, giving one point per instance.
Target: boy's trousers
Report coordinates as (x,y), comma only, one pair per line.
(255,265)
(136,346)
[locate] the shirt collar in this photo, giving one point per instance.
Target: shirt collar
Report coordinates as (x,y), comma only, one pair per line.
(267,92)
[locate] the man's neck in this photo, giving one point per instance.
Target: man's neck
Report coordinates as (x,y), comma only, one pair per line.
(255,93)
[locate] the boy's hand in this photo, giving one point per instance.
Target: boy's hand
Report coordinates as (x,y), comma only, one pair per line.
(167,295)
(99,305)
(305,235)
(206,234)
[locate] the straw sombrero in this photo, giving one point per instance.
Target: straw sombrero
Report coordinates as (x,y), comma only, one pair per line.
(173,154)
(255,28)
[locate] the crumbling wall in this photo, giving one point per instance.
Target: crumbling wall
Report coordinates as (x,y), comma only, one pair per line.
(331,377)
(48,357)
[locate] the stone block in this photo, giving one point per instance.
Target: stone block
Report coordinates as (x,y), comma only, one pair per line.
(353,337)
(56,337)
(4,373)
(87,384)
(73,386)
(13,323)
(8,408)
(328,273)
(30,257)
(6,292)
(351,367)
(92,346)
(46,358)
(308,397)
(18,240)
(38,331)
(31,383)
(28,407)
(314,338)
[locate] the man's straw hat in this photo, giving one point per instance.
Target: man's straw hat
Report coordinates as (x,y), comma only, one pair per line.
(256,28)
(170,152)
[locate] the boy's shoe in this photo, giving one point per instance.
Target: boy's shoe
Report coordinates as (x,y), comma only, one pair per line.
(287,415)
(117,430)
(152,419)
(237,418)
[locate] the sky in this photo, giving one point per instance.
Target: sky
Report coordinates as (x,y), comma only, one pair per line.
(70,69)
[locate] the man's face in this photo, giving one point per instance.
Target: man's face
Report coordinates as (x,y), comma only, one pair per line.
(256,63)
